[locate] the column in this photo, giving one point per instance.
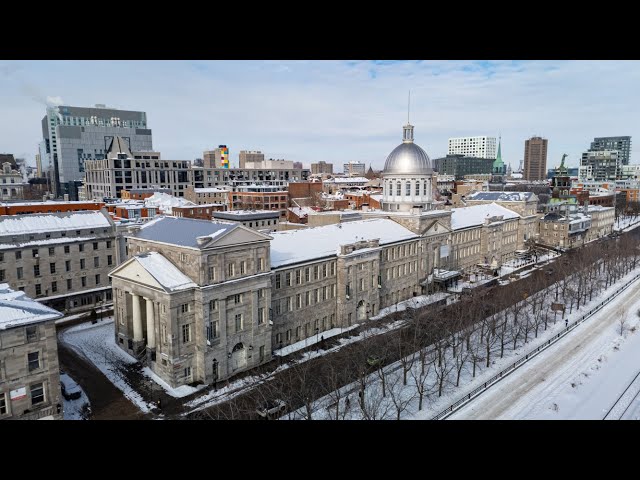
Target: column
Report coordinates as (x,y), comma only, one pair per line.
(137,320)
(151,332)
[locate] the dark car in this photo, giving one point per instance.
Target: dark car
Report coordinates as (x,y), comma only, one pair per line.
(70,389)
(271,408)
(374,360)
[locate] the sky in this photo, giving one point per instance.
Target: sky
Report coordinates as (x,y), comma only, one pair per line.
(336,111)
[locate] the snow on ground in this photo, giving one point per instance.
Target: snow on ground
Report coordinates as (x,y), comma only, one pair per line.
(179,392)
(78,409)
(623,223)
(96,343)
(383,407)
(580,377)
(302,344)
(415,302)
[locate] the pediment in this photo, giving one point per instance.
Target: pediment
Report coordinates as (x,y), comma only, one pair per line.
(132,270)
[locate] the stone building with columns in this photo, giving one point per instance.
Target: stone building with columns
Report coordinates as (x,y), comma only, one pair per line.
(202,301)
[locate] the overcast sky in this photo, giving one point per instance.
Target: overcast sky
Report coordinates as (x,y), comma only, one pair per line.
(333,110)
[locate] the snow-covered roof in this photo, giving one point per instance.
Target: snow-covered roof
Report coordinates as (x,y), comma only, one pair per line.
(302,211)
(471,216)
(244,215)
(502,196)
(211,190)
(294,246)
(16,309)
(376,196)
(182,231)
(347,180)
(52,222)
(165,272)
(598,208)
(48,203)
(47,242)
(167,202)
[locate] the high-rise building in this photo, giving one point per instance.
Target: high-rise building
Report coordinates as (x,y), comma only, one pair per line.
(621,144)
(479,147)
(535,159)
(72,135)
(321,167)
(218,158)
(38,166)
(600,165)
(460,165)
(355,169)
(247,156)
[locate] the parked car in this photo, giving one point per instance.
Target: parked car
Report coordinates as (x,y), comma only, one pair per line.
(70,389)
(271,408)
(374,360)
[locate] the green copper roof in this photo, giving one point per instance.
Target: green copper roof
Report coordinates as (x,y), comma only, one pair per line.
(498,164)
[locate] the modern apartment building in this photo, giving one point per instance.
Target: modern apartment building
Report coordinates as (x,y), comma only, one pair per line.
(321,167)
(248,158)
(480,147)
(218,158)
(124,169)
(246,177)
(600,166)
(535,159)
(621,144)
(355,169)
(29,369)
(460,165)
(73,135)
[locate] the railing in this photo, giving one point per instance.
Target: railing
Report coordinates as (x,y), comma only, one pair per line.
(43,412)
(533,353)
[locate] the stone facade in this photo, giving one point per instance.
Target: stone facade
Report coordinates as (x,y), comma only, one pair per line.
(602,220)
(29,370)
(10,183)
(62,259)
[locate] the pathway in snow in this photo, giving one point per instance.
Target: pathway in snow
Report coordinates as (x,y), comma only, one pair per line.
(580,377)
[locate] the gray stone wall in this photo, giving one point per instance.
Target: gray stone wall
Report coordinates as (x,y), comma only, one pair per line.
(15,373)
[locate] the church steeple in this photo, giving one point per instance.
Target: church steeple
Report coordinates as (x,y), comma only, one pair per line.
(498,164)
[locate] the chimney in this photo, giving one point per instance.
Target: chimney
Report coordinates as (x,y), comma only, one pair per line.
(365,207)
(66,197)
(44,198)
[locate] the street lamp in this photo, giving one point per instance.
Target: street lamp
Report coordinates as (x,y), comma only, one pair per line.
(317,332)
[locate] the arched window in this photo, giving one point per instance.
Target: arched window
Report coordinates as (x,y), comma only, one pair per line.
(407,190)
(398,189)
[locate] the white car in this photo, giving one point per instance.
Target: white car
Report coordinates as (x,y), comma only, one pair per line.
(70,389)
(271,408)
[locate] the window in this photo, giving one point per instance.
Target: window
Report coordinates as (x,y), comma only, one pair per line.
(333,268)
(19,273)
(213,305)
(187,373)
(184,308)
(108,243)
(212,330)
(298,276)
(1,275)
(238,322)
(52,267)
(407,190)
(83,281)
(69,284)
(287,280)
(398,189)
(38,289)
(36,270)
(54,287)
(96,261)
(98,279)
(288,335)
(324,293)
(31,333)
(109,260)
(66,249)
(315,272)
(1,257)
(278,280)
(262,353)
(34,252)
(307,299)
(232,269)
(95,245)
(298,332)
(260,293)
(298,301)
(37,393)
(3,403)
(52,251)
(18,255)
(362,285)
(82,264)
(33,359)
(306,274)
(81,247)
(186,333)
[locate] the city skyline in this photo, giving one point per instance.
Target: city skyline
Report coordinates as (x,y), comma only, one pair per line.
(335,111)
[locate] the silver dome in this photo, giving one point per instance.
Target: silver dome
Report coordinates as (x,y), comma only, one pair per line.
(408,158)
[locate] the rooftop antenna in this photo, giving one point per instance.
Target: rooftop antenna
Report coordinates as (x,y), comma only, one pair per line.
(408,106)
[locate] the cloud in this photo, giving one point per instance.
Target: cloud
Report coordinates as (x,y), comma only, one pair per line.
(336,110)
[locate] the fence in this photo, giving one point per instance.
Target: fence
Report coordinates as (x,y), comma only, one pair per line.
(511,368)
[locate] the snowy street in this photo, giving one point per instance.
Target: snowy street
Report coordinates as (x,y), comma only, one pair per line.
(580,377)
